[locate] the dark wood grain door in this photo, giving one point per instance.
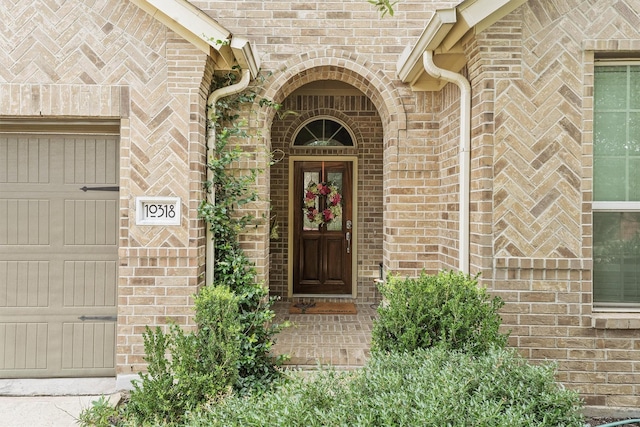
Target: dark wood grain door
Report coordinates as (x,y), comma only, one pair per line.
(323,224)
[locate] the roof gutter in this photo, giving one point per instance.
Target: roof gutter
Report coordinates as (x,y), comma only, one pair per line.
(211,144)
(447,28)
(464,153)
(203,32)
(444,35)
(226,50)
(409,64)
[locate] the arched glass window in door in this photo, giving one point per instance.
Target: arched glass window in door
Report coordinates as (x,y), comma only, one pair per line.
(323,132)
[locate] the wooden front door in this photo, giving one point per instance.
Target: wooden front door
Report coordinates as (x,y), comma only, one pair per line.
(323,250)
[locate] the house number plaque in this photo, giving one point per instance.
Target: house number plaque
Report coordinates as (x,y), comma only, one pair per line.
(157,210)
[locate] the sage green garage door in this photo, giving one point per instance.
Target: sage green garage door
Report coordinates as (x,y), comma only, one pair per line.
(58,254)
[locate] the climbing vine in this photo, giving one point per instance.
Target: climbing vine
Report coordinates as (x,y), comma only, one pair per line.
(232,267)
(384,6)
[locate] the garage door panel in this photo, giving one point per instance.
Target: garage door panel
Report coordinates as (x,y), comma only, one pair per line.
(89,283)
(90,222)
(24,160)
(24,346)
(58,255)
(84,345)
(24,222)
(91,161)
(26,283)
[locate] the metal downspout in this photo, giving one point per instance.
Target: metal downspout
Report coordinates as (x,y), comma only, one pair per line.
(465,150)
(211,143)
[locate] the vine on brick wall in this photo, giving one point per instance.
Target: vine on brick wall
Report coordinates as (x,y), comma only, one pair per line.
(232,268)
(384,6)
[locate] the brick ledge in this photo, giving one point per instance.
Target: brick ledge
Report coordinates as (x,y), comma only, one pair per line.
(543,263)
(607,320)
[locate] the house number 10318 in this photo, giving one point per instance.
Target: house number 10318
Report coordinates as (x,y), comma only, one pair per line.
(157,210)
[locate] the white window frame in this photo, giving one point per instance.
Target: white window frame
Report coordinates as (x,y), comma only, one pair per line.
(613,206)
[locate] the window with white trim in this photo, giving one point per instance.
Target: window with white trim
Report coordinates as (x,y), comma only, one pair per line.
(323,132)
(616,185)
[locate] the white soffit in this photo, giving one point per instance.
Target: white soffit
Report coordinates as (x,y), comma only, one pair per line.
(443,34)
(203,32)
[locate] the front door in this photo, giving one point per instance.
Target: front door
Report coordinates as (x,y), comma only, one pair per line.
(323,227)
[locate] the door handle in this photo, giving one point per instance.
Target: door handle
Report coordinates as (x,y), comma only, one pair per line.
(348,242)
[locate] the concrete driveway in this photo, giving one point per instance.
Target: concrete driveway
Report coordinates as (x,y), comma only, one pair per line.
(50,402)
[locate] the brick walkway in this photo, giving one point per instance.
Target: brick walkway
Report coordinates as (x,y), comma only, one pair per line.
(339,340)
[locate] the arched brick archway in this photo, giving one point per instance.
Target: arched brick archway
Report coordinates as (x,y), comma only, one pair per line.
(340,65)
(378,132)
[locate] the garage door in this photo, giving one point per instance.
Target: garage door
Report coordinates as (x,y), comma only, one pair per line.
(58,253)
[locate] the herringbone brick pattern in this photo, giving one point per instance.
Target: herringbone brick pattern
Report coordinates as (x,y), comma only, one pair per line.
(100,46)
(539,121)
(110,59)
(537,168)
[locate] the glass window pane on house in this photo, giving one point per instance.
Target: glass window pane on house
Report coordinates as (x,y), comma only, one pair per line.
(317,129)
(310,177)
(633,138)
(616,178)
(336,178)
(634,88)
(616,257)
(304,137)
(323,133)
(610,90)
(609,179)
(330,128)
(634,179)
(610,129)
(343,136)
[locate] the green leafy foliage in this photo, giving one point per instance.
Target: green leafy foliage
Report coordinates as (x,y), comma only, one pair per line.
(384,6)
(101,413)
(233,189)
(448,310)
(187,370)
(429,387)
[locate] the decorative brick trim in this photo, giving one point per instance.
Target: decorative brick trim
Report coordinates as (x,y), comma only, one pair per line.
(611,44)
(615,320)
(28,99)
(523,263)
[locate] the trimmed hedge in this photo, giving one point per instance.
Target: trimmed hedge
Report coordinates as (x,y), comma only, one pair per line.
(448,310)
(433,387)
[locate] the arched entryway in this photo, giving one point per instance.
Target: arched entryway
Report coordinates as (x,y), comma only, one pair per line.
(334,136)
(351,90)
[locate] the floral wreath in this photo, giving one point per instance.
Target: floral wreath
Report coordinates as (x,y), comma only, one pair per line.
(333,208)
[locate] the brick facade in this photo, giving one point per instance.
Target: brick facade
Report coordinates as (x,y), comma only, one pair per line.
(531,165)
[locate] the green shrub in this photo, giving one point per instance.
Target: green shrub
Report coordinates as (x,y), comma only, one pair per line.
(101,413)
(234,188)
(448,310)
(187,370)
(432,387)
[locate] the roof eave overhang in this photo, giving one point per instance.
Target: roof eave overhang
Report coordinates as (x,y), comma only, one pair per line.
(203,32)
(444,34)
